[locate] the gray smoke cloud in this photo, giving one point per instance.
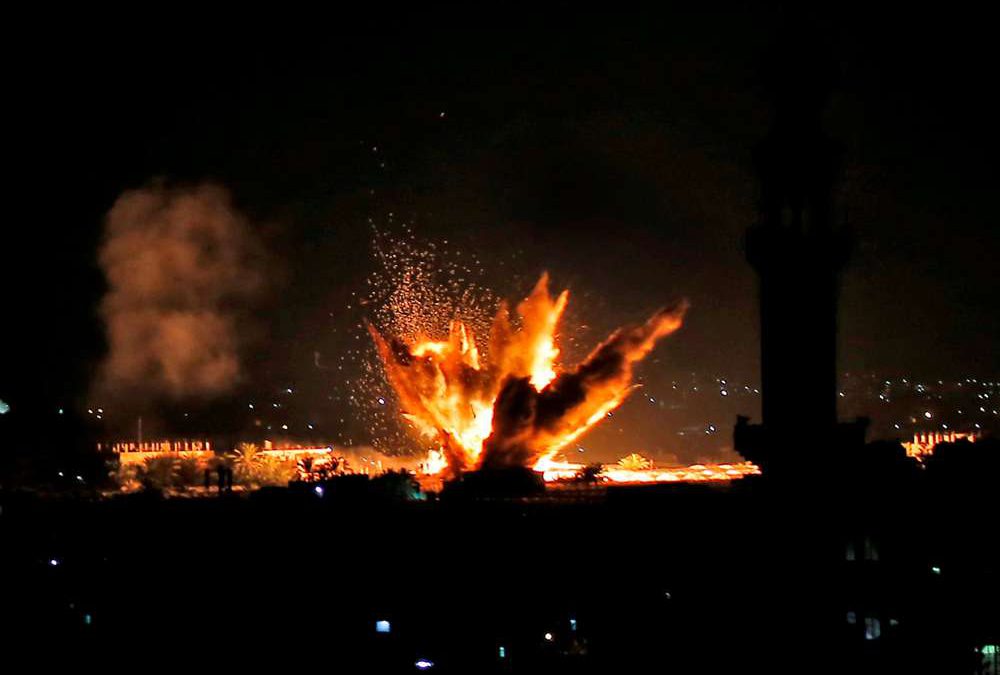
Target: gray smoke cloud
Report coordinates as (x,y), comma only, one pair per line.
(183,268)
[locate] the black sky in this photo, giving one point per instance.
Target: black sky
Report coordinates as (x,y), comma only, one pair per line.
(612,150)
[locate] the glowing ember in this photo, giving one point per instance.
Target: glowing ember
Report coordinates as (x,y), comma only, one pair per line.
(513,405)
(614,473)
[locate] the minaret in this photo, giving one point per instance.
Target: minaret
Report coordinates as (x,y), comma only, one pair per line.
(798,252)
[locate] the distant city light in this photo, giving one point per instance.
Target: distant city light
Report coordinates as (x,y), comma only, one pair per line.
(318,490)
(548,637)
(936,570)
(53,562)
(87,619)
(382,626)
(502,652)
(381,401)
(927,414)
(60,411)
(424,664)
(4,408)
(572,624)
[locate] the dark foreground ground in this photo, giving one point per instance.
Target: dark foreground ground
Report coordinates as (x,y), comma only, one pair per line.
(680,580)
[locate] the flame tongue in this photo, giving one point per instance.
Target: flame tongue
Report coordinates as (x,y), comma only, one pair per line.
(515,407)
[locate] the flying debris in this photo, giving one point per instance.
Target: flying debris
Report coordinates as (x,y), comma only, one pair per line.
(513,405)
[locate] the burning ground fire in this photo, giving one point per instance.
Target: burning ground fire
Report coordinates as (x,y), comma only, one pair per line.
(513,404)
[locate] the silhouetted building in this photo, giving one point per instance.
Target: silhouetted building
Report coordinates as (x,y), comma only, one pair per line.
(798,252)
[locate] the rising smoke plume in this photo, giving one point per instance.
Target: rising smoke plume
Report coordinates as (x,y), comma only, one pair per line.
(183,267)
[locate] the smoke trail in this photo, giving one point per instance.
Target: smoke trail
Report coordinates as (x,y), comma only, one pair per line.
(528,423)
(182,267)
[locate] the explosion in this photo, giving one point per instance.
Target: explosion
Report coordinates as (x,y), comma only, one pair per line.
(513,405)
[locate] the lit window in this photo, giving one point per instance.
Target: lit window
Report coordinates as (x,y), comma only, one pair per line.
(850,554)
(873,628)
(871,552)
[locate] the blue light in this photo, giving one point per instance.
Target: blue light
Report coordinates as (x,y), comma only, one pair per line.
(572,624)
(424,664)
(318,490)
(382,626)
(503,652)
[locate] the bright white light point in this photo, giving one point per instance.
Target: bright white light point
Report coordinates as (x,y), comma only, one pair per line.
(60,411)
(318,490)
(284,427)
(250,405)
(441,115)
(724,392)
(4,408)
(381,401)
(548,637)
(289,390)
(80,478)
(927,414)
(53,562)
(424,664)
(61,474)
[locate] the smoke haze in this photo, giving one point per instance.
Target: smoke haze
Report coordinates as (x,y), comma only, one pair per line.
(183,269)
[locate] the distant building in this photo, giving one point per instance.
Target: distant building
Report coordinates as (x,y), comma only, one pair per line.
(923,444)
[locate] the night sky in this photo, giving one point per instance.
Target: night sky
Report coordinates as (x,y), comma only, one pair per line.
(614,152)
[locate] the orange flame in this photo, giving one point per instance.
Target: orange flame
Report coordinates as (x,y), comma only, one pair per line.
(515,406)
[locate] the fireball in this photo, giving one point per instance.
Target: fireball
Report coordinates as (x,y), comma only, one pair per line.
(515,404)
